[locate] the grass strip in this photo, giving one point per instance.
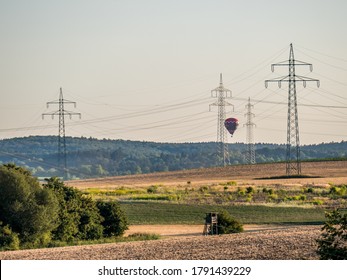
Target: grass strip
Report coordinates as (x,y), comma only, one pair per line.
(169,213)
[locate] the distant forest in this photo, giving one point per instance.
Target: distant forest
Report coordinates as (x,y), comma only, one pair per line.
(90,157)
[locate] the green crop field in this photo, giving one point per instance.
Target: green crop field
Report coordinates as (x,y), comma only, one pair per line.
(169,213)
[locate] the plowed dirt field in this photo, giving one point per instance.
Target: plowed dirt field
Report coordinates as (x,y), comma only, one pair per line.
(290,243)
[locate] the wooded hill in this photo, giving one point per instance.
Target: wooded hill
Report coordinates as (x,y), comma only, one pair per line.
(90,157)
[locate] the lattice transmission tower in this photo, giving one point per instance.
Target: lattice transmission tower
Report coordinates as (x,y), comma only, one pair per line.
(293,162)
(250,154)
(61,113)
(221,93)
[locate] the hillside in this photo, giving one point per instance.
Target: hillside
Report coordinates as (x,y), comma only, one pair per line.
(319,172)
(89,157)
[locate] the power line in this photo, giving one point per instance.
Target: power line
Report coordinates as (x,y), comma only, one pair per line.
(221,93)
(328,64)
(61,113)
(293,163)
(250,155)
(96,120)
(298,104)
(327,55)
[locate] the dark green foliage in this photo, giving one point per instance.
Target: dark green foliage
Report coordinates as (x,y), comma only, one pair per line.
(25,207)
(310,190)
(249,190)
(69,206)
(115,221)
(269,191)
(90,220)
(332,244)
(89,157)
(227,224)
(152,189)
(338,190)
(79,218)
(144,236)
(287,177)
(33,216)
(8,239)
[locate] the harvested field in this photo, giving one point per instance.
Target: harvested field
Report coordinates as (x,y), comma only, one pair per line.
(324,171)
(292,243)
(186,230)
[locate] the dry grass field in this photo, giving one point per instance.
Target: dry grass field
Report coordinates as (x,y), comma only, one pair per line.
(325,172)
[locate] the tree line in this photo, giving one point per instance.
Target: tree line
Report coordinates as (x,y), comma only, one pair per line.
(90,157)
(34,216)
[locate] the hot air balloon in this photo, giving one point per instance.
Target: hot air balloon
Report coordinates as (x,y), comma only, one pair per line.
(231,125)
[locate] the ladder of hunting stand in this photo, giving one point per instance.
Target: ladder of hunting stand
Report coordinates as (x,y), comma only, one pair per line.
(211,224)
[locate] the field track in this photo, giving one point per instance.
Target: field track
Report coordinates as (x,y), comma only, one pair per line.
(324,171)
(291,243)
(191,230)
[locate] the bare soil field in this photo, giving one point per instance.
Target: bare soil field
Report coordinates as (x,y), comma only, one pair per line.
(290,243)
(189,230)
(325,172)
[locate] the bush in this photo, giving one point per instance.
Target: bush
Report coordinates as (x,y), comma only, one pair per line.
(309,190)
(8,239)
(249,190)
(204,189)
(332,244)
(25,207)
(317,202)
(32,216)
(90,222)
(338,190)
(241,191)
(152,189)
(227,224)
(269,191)
(115,221)
(78,218)
(143,236)
(272,197)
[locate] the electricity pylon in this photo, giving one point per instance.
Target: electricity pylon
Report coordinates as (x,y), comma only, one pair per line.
(250,154)
(293,163)
(61,113)
(221,93)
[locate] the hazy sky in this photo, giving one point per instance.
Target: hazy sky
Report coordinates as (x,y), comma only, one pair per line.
(144,70)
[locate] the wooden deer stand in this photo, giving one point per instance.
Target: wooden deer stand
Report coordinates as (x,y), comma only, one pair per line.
(211,223)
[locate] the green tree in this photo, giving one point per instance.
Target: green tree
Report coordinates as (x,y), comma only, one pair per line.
(98,170)
(25,207)
(332,245)
(115,221)
(68,213)
(227,224)
(90,226)
(9,240)
(79,218)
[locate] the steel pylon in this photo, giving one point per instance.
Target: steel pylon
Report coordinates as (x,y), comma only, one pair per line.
(61,113)
(250,154)
(293,162)
(221,93)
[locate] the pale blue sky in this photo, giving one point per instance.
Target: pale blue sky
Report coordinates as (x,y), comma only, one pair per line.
(143,70)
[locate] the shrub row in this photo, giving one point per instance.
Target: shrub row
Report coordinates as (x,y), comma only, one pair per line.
(32,215)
